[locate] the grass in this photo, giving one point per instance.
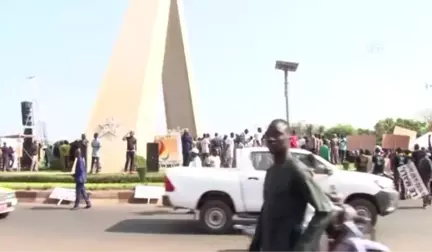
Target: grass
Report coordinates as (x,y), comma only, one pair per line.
(351,167)
(46,186)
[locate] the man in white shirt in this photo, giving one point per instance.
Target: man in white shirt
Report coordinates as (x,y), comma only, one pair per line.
(258,137)
(229,150)
(195,160)
(205,146)
(95,161)
(214,160)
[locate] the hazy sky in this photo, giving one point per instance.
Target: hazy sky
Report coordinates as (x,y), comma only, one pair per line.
(233,45)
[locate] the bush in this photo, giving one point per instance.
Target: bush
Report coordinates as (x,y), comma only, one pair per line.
(67,178)
(140,162)
(346,165)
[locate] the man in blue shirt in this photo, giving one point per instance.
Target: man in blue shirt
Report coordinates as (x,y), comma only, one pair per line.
(80,176)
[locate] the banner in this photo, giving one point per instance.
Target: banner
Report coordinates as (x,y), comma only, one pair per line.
(414,186)
(170,153)
(392,141)
(406,132)
(365,142)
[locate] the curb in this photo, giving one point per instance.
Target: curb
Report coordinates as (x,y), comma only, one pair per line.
(117,196)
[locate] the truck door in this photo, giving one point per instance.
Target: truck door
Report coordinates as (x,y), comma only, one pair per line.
(320,176)
(253,180)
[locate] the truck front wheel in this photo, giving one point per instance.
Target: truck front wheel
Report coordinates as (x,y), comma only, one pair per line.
(216,217)
(365,208)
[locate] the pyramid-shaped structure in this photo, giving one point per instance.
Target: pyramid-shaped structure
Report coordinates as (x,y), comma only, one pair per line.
(150,51)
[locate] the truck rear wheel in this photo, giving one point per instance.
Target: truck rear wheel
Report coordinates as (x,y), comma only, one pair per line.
(216,217)
(4,215)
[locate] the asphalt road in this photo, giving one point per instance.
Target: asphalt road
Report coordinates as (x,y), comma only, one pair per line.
(141,228)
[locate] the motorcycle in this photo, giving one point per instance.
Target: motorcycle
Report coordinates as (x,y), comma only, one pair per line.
(346,232)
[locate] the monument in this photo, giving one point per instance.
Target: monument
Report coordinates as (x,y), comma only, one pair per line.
(150,51)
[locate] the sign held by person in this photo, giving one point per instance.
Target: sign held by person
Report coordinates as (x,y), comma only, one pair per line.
(357,142)
(62,194)
(414,185)
(149,192)
(392,141)
(406,132)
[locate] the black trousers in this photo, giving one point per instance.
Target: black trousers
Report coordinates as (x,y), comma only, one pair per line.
(85,160)
(5,162)
(399,185)
(80,191)
(95,162)
(342,155)
(66,162)
(186,159)
(130,161)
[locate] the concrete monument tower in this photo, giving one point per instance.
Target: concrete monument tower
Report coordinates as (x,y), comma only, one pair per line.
(151,51)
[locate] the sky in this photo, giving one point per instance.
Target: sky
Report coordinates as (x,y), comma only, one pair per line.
(369,57)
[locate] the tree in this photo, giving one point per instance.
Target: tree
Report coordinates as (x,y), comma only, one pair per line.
(321,129)
(361,131)
(410,124)
(384,126)
(387,125)
(310,128)
(340,130)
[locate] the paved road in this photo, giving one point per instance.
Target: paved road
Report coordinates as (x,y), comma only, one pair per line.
(137,228)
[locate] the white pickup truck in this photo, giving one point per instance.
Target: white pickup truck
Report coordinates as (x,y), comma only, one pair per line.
(219,194)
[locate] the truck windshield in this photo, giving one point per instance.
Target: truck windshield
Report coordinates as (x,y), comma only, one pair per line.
(261,160)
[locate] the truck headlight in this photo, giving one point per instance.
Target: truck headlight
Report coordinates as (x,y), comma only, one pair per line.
(11,195)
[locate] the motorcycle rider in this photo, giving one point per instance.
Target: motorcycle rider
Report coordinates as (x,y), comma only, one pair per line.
(288,188)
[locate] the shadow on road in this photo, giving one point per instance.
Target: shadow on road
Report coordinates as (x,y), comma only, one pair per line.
(410,207)
(157,226)
(161,212)
(232,250)
(50,208)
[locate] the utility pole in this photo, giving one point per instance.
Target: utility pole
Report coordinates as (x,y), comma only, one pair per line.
(286,67)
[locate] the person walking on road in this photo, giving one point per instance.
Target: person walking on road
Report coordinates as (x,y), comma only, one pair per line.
(80,176)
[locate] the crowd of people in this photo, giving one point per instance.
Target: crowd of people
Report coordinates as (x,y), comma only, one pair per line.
(218,151)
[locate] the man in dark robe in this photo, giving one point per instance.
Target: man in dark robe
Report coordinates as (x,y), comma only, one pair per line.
(425,171)
(288,188)
(417,155)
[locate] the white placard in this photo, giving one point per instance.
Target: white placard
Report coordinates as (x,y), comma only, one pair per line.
(61,194)
(414,186)
(149,192)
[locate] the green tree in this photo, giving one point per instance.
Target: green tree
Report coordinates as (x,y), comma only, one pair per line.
(321,129)
(310,129)
(361,131)
(410,124)
(387,125)
(340,130)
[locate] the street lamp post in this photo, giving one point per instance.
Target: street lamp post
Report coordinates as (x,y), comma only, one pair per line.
(286,67)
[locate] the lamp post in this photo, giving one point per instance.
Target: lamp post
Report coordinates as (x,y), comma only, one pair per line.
(286,67)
